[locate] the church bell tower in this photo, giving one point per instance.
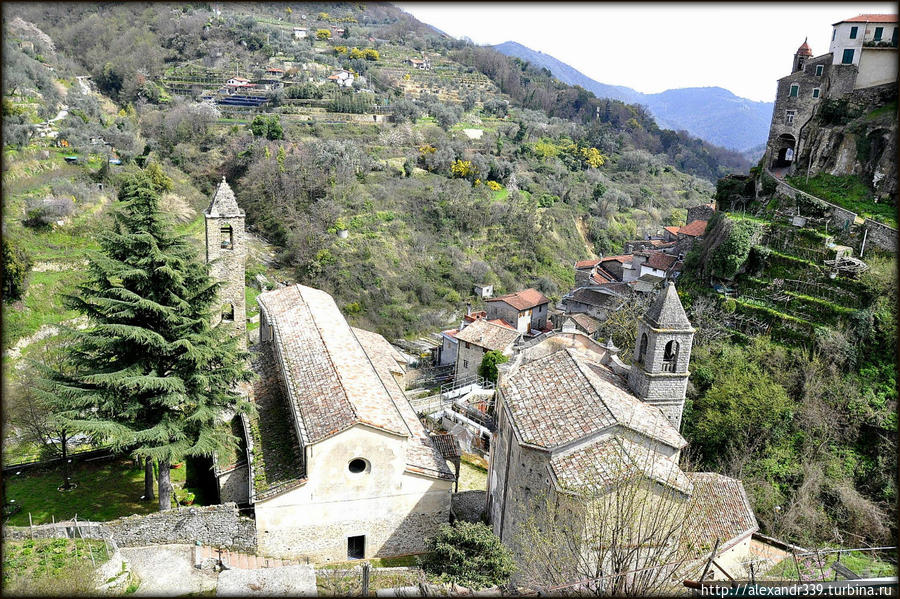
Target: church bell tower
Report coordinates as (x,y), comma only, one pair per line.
(659,373)
(226,252)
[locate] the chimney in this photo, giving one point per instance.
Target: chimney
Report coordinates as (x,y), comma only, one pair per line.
(468,309)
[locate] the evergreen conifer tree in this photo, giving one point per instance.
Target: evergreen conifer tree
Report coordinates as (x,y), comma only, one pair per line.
(150,375)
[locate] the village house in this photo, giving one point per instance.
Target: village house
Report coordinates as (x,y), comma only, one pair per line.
(274,72)
(484,290)
(422,64)
(447,351)
(477,339)
(300,33)
(342,78)
(597,301)
(524,310)
(569,323)
(239,82)
(572,419)
(336,463)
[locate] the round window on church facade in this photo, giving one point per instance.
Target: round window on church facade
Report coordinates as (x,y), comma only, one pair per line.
(358,466)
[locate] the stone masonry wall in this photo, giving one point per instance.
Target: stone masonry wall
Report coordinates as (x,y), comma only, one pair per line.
(881,236)
(701,212)
(468,505)
(234,485)
(385,537)
(211,525)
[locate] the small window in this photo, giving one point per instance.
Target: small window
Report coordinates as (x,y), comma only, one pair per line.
(228,313)
(789,117)
(833,34)
(227,237)
(815,93)
(847,58)
(820,68)
(879,31)
(358,466)
(853,32)
(795,90)
(643,349)
(465,363)
(356,547)
(467,345)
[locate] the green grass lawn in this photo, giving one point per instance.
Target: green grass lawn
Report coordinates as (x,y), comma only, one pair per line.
(847,192)
(865,564)
(472,475)
(106,490)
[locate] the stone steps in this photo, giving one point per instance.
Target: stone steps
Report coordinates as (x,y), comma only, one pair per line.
(240,561)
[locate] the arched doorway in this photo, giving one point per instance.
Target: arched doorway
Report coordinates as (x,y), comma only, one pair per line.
(785,146)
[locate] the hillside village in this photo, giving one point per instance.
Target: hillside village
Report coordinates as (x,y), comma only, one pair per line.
(449,296)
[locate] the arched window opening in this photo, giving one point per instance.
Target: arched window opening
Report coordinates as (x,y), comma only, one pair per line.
(643,350)
(227,237)
(670,356)
(228,313)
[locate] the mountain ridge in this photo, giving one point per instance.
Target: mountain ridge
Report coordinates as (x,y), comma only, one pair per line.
(711,113)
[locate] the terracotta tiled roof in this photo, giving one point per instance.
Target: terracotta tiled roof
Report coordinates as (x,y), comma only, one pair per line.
(598,278)
(621,258)
(422,456)
(587,263)
(559,399)
(695,229)
(475,316)
(451,332)
(223,202)
(804,50)
(330,380)
(612,459)
(719,509)
(660,260)
(522,300)
(672,230)
(489,335)
(659,243)
(447,446)
(588,323)
(870,18)
(502,323)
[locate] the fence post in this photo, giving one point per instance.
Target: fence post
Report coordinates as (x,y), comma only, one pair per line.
(365,579)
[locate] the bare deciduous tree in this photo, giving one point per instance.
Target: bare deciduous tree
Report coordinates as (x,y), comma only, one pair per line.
(625,535)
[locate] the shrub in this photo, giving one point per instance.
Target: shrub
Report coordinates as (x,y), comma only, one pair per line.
(42,213)
(15,266)
(468,554)
(488,369)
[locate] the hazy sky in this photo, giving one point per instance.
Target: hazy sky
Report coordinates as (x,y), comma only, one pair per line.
(650,47)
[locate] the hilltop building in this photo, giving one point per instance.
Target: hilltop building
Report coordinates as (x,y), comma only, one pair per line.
(862,55)
(572,419)
(335,463)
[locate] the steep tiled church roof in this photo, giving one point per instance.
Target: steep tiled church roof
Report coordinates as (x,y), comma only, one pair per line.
(223,202)
(330,380)
(667,311)
(560,399)
(719,509)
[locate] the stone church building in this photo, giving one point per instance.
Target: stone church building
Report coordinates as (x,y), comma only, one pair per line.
(573,419)
(335,461)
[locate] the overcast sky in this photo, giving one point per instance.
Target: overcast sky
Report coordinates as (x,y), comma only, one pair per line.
(650,47)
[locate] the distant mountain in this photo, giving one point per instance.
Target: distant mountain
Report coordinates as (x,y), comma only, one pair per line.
(711,113)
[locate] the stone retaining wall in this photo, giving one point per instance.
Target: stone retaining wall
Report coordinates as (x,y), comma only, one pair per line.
(210,525)
(468,505)
(881,235)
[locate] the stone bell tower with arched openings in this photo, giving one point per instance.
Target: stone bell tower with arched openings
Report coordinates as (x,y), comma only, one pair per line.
(226,252)
(659,373)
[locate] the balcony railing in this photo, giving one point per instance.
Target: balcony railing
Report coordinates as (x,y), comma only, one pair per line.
(668,366)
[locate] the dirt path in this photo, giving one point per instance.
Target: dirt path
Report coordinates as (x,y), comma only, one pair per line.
(581,227)
(167,571)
